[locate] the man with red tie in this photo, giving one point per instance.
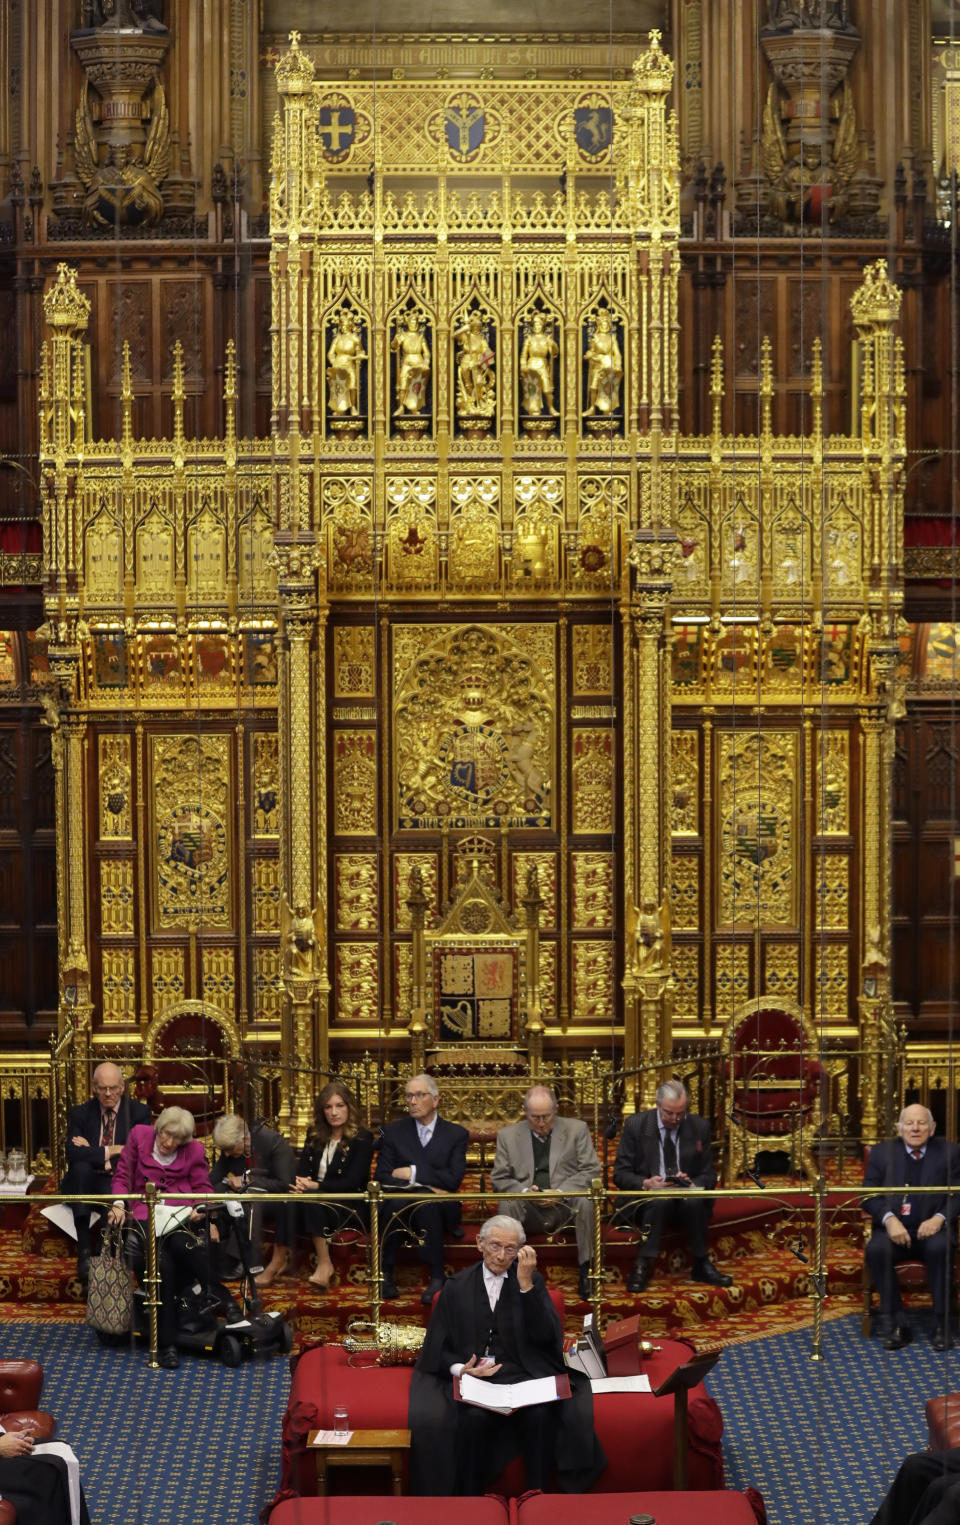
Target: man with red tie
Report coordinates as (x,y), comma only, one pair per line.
(908,1226)
(96,1133)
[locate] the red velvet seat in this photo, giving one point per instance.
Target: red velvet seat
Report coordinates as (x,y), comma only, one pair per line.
(773,1082)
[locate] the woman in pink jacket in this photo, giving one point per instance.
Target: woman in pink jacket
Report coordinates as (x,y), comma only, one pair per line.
(167,1154)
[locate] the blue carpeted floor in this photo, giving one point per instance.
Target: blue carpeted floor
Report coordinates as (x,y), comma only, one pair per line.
(822,1440)
(160,1448)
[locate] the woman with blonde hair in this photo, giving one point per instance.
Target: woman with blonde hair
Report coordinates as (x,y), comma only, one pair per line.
(336,1157)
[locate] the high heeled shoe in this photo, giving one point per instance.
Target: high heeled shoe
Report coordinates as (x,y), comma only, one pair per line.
(324,1285)
(271,1272)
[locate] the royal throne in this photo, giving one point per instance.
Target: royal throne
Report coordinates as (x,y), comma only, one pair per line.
(772,1084)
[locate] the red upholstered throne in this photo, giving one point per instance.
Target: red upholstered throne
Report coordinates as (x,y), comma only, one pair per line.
(189,1052)
(772,1084)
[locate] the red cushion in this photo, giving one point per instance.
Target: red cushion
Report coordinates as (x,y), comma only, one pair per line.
(943,1421)
(21,1383)
(41,1425)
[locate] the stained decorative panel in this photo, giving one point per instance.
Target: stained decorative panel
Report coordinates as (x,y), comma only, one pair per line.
(546,866)
(191,815)
(355,783)
(356,894)
(115,788)
(265,895)
(592,891)
(591,778)
(593,976)
(166,978)
(357,983)
(119,987)
(757,825)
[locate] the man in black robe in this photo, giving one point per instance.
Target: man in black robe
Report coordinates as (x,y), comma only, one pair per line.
(925,1491)
(496,1321)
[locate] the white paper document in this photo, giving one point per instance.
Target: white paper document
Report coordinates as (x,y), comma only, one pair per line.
(638,1383)
(504,1397)
(331,1438)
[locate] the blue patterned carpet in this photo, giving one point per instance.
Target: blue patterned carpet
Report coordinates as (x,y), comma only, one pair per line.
(822,1440)
(160,1448)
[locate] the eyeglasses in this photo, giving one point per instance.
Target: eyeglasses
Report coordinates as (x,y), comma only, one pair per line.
(418,1095)
(108,1090)
(510,1250)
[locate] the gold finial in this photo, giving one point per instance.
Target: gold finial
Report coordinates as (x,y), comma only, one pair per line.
(653,70)
(230,373)
(126,396)
(716,367)
(65,307)
(295,70)
(816,369)
(877,300)
(179,392)
(766,367)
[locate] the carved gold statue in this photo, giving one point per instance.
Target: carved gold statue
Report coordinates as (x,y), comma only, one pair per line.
(413,364)
(344,357)
(537,360)
(605,371)
(476,379)
(650,938)
(302,939)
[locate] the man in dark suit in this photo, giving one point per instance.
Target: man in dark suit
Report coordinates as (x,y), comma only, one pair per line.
(96,1133)
(668,1148)
(252,1159)
(496,1321)
(421,1152)
(925,1491)
(908,1227)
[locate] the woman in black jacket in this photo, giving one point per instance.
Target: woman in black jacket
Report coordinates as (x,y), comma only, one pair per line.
(336,1157)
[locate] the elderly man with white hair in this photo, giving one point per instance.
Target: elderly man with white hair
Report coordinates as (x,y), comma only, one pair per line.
(548,1153)
(495,1321)
(421,1152)
(910,1226)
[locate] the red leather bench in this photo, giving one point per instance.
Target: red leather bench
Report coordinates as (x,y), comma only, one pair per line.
(635,1430)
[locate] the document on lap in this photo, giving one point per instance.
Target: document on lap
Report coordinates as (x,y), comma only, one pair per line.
(507,1397)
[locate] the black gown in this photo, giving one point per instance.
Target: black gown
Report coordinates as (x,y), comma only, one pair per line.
(37,1488)
(457,1448)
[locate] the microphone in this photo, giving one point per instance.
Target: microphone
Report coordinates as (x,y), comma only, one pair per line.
(756,1180)
(613,1124)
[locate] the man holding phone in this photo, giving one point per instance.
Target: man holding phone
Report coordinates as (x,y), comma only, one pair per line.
(668,1147)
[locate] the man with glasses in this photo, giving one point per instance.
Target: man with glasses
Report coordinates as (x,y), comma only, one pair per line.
(547,1153)
(495,1321)
(96,1133)
(668,1148)
(420,1152)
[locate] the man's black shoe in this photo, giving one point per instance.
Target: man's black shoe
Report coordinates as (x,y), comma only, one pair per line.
(641,1274)
(894,1335)
(705,1270)
(434,1285)
(83,1265)
(389,1288)
(168,1357)
(583,1282)
(941,1338)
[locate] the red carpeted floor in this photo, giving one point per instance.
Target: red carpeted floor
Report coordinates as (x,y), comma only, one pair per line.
(759,1240)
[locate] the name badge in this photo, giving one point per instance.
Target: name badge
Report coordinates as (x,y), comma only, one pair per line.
(905,1210)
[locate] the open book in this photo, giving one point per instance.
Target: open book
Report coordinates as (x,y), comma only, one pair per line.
(507,1397)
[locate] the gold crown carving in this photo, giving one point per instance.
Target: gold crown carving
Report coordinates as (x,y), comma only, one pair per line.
(877,300)
(295,70)
(64,306)
(652,71)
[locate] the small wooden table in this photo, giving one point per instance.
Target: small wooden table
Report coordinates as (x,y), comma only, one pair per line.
(365,1448)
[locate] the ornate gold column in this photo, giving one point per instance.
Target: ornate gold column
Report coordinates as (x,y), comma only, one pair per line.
(303,1039)
(654,556)
(876,308)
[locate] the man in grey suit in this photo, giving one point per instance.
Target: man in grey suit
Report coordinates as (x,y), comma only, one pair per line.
(547,1153)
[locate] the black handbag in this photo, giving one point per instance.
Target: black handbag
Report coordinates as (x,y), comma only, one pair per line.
(110,1289)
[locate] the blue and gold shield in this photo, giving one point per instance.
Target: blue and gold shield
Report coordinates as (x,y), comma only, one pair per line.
(337,125)
(464,125)
(593,129)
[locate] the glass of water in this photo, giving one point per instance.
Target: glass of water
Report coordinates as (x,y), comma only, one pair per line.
(341,1420)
